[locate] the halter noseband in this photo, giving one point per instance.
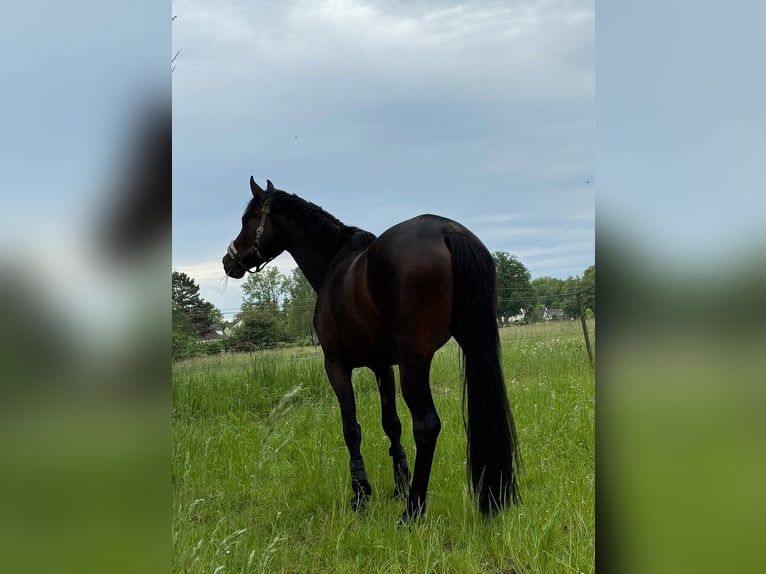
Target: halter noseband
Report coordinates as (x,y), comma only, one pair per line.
(238,258)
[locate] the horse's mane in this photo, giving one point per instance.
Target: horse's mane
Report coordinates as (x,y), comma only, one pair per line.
(322,226)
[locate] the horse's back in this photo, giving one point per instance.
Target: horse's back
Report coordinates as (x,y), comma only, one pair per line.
(415,247)
(422,227)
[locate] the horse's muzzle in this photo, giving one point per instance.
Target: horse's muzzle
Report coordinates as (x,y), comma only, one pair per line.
(233,268)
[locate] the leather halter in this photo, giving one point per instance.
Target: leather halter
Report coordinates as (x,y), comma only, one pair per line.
(238,258)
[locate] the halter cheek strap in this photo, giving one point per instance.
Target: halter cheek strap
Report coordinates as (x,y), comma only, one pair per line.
(255,247)
(258,232)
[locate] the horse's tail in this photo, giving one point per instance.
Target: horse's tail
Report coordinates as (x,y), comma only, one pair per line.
(492,450)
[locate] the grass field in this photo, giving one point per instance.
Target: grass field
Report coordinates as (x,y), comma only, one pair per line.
(261,482)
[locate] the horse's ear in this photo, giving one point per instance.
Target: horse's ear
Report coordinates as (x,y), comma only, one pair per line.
(256,190)
(269,186)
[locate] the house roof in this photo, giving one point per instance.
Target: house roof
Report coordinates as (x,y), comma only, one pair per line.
(215,331)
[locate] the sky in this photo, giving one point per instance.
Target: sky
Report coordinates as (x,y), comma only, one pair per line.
(379,111)
(480,111)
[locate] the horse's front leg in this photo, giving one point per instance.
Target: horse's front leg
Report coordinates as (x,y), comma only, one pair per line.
(393,429)
(340,379)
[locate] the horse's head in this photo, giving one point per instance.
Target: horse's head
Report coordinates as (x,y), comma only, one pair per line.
(257,242)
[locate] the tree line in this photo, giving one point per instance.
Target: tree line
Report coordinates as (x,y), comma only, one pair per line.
(278,309)
(516,291)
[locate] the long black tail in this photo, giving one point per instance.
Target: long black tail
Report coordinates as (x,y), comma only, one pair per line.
(492,451)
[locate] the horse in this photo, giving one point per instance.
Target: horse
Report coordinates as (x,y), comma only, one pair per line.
(395,300)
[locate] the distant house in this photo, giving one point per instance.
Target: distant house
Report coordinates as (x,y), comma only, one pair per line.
(230,326)
(544,314)
(214,332)
(532,314)
(556,314)
(518,318)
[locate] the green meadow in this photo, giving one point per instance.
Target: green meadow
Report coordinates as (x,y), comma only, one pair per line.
(260,470)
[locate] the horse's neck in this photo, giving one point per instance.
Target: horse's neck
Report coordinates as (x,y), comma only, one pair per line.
(311,254)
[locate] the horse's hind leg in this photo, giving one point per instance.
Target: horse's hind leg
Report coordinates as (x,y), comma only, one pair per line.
(340,379)
(393,429)
(425,429)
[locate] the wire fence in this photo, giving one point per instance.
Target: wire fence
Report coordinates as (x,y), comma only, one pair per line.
(230,343)
(309,305)
(550,332)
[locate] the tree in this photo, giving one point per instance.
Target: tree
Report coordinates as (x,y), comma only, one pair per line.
(549,291)
(181,322)
(577,285)
(265,291)
(300,307)
(262,314)
(514,291)
(589,280)
(186,301)
(184,340)
(260,327)
(559,293)
(569,303)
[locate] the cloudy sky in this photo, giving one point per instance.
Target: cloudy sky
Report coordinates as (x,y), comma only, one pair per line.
(481,111)
(378,111)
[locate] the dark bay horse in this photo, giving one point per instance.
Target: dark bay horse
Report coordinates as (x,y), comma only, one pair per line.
(395,300)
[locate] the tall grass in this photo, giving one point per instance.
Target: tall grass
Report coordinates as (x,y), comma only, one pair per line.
(260,470)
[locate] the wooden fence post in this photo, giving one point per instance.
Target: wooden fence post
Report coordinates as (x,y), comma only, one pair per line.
(584,329)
